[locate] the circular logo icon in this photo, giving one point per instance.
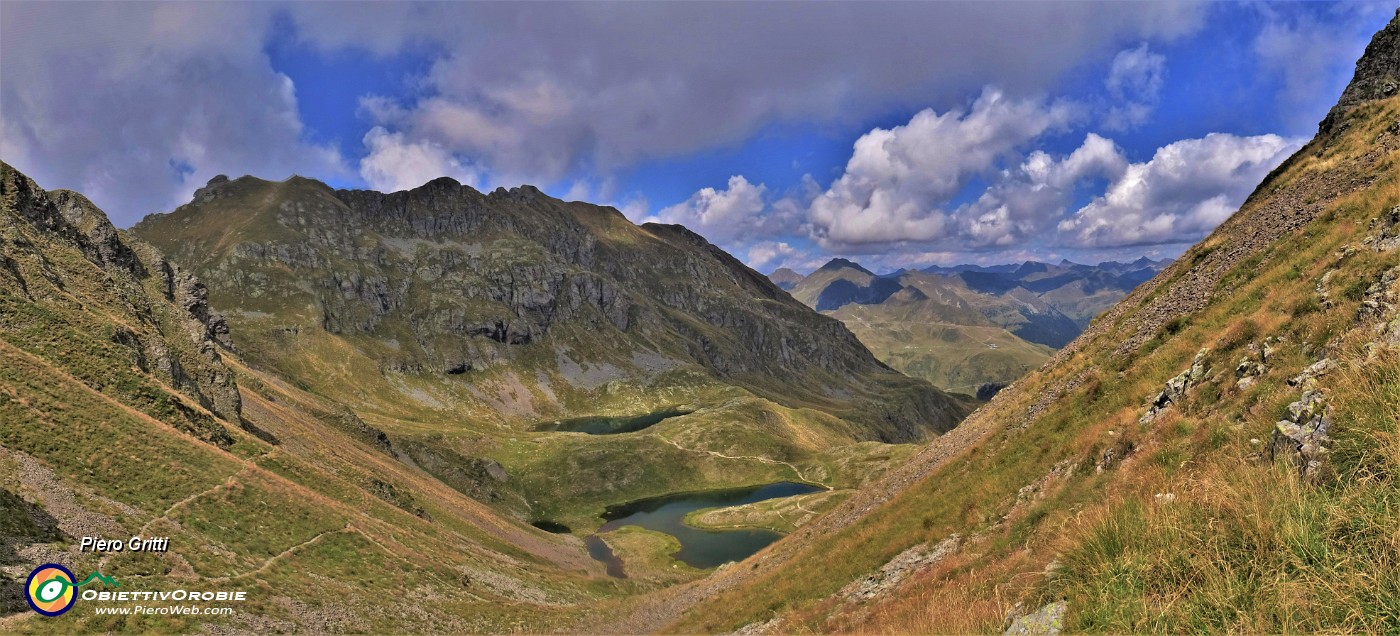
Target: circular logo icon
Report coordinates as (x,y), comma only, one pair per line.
(51,589)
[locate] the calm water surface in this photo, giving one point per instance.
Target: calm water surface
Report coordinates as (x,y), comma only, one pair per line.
(602,425)
(702,548)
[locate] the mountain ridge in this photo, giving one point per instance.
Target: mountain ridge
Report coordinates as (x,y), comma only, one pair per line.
(587,243)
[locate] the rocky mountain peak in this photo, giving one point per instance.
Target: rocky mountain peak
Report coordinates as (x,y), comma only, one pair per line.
(57,244)
(841,263)
(785,278)
(1377,75)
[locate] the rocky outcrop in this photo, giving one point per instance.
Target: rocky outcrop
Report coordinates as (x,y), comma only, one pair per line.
(1254,363)
(1301,437)
(1176,388)
(169,329)
(1308,378)
(1046,621)
(1377,76)
(900,567)
(1384,231)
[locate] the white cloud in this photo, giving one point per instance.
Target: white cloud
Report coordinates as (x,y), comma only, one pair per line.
(544,92)
(1134,84)
(1026,201)
(765,252)
(636,208)
(897,180)
(1313,58)
(721,215)
(137,105)
(1183,192)
(394,163)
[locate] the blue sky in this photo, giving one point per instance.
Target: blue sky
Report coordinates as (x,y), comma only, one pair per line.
(895,134)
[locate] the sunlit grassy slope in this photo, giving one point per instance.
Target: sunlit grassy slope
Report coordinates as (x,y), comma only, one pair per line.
(320,526)
(952,356)
(1182,523)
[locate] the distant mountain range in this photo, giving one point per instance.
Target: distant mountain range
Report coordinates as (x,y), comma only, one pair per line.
(967,327)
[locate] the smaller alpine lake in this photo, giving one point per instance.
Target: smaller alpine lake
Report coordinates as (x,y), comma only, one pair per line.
(703,548)
(606,425)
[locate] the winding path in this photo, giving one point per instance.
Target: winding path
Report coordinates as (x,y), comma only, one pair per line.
(765,460)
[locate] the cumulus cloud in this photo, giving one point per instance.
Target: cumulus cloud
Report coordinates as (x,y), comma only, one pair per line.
(138,105)
(1184,191)
(1134,84)
(897,180)
(635,207)
(724,215)
(1028,200)
(394,164)
(765,252)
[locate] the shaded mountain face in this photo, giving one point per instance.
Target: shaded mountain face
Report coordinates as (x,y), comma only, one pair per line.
(841,282)
(517,288)
(1080,292)
(1038,302)
(1224,437)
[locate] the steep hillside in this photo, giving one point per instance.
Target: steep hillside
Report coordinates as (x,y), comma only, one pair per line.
(1218,452)
(476,330)
(123,412)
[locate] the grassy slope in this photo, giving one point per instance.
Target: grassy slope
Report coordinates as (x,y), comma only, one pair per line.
(321,530)
(952,356)
(1243,545)
(941,338)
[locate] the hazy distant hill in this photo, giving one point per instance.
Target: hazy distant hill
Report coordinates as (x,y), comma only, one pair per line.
(968,327)
(785,278)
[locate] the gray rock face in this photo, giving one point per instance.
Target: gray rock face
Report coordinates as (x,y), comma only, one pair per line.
(446,280)
(1377,75)
(1176,387)
(1048,620)
(1308,378)
(1384,234)
(1301,438)
(1246,370)
(1379,299)
(900,567)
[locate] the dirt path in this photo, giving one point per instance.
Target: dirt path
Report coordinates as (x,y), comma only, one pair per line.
(281,555)
(765,460)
